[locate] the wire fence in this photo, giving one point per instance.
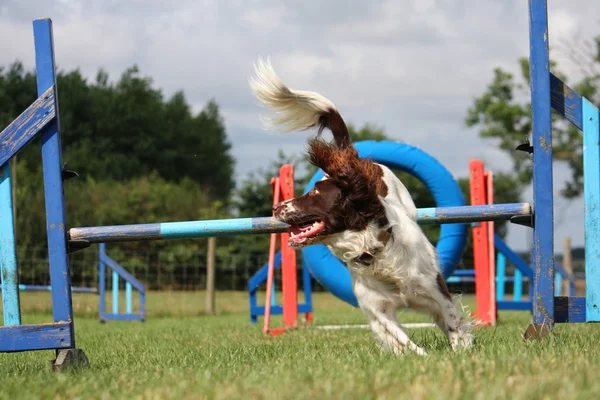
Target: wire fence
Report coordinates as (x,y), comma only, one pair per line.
(164,269)
(157,269)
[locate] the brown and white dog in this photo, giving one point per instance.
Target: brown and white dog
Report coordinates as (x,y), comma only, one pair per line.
(367,218)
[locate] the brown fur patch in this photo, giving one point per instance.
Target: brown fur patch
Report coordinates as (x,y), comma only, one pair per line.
(335,123)
(442,286)
(359,179)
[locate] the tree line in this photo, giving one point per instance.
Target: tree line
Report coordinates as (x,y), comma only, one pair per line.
(144,157)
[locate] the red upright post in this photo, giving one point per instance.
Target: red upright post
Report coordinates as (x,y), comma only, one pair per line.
(288,255)
(283,189)
(489,192)
(485,312)
(271,268)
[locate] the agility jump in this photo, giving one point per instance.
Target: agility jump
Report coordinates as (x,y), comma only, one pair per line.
(42,119)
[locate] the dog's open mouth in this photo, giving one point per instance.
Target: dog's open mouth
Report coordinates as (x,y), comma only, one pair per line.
(304,233)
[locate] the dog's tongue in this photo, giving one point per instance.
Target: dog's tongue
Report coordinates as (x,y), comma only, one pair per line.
(297,229)
(298,232)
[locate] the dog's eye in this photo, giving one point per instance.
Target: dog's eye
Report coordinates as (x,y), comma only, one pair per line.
(313,192)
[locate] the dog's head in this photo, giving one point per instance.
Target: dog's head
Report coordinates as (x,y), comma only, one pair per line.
(347,198)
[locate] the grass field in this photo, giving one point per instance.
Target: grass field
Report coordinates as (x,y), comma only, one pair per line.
(180,354)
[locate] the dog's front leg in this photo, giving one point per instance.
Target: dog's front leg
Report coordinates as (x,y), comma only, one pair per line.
(390,333)
(381,315)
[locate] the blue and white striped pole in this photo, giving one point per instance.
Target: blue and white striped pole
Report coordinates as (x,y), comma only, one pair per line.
(263,225)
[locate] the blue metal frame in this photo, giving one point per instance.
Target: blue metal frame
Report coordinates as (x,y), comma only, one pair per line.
(260,277)
(119,273)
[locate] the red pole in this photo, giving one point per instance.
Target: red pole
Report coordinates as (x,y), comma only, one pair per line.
(271,269)
(489,181)
(288,255)
(481,256)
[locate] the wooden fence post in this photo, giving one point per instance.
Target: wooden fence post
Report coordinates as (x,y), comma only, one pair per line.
(210,276)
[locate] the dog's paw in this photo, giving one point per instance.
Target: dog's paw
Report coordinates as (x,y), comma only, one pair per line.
(463,342)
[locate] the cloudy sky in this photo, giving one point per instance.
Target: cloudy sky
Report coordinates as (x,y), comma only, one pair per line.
(411,66)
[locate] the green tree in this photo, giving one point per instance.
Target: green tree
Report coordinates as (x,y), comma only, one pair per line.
(126,129)
(142,158)
(503,114)
(368,131)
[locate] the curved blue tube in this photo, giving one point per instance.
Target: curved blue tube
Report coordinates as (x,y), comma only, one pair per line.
(333,275)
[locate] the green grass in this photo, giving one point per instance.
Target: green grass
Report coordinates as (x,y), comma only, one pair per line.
(178,353)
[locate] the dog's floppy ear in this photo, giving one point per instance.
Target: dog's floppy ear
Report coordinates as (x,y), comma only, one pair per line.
(336,162)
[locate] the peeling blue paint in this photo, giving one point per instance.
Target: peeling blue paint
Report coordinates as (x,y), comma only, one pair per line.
(8,253)
(55,335)
(27,125)
(566,101)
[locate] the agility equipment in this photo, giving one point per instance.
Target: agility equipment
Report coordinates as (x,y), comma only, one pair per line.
(42,119)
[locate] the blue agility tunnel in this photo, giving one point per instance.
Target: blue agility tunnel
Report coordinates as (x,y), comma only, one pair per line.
(329,270)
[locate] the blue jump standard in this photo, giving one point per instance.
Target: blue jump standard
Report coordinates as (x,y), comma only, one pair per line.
(261,225)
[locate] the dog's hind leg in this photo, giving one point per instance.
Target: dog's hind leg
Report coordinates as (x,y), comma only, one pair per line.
(438,303)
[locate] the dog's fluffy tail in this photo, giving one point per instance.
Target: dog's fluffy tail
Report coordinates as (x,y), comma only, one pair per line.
(296,109)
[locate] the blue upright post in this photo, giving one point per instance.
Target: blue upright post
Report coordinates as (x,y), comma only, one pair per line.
(557,283)
(518,285)
(60,275)
(56,226)
(128,305)
(273,293)
(500,276)
(543,206)
(307,285)
(591,193)
(115,292)
(8,253)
